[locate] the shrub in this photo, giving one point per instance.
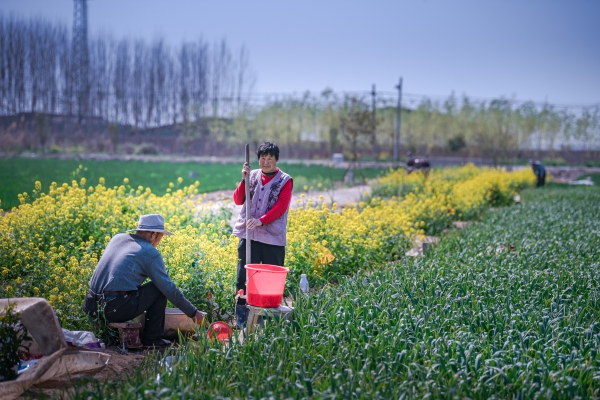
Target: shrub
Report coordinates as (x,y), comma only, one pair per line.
(554,161)
(148,149)
(128,148)
(456,143)
(55,149)
(12,334)
(13,143)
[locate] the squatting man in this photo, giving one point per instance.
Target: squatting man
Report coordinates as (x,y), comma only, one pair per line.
(117,283)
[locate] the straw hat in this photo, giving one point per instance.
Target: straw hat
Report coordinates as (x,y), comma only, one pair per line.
(152,223)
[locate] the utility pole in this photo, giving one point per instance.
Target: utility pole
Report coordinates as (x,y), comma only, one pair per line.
(398,121)
(373,137)
(81,59)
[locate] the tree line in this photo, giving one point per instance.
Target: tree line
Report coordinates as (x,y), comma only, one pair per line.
(204,92)
(499,128)
(130,81)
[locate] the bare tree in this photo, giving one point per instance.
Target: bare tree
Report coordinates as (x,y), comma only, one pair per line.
(34,42)
(99,77)
(199,92)
(153,90)
(161,60)
(173,88)
(15,65)
(49,69)
(4,85)
(137,82)
(121,81)
(221,75)
(550,125)
(43,129)
(356,128)
(184,81)
(65,76)
(502,129)
(527,122)
(245,78)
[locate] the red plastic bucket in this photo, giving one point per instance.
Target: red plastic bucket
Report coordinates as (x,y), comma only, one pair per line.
(221,331)
(264,285)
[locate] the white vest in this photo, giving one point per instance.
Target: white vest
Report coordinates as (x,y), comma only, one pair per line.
(262,199)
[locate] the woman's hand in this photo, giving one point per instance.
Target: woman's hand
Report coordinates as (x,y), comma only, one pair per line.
(254,222)
(245,170)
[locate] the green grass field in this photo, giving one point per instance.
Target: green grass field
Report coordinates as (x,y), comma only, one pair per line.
(507,308)
(594,177)
(18,175)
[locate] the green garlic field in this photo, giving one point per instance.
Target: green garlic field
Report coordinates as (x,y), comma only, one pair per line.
(507,308)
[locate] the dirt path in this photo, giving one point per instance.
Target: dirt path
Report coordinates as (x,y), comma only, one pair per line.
(568,174)
(343,196)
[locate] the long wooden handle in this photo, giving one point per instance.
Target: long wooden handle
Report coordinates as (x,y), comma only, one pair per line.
(247,205)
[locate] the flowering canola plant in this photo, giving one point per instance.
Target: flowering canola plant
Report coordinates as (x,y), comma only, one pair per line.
(51,243)
(404,207)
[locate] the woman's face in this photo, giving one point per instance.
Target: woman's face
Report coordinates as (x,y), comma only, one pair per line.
(267,163)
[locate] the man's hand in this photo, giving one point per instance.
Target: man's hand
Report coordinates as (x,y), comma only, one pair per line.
(199,318)
(253,223)
(245,170)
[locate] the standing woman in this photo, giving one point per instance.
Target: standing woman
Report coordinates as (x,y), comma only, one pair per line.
(270,197)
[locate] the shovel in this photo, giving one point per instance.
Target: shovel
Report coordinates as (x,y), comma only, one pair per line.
(240,293)
(247,205)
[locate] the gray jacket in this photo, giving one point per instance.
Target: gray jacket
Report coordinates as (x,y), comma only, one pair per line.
(126,263)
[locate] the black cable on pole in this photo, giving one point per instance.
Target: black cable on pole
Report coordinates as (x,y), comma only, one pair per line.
(398,122)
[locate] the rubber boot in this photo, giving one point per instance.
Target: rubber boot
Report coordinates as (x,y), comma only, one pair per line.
(241,316)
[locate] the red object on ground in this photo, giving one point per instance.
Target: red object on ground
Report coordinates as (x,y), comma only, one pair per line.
(265,284)
(221,330)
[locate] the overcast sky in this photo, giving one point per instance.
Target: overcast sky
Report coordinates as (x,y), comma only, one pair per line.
(527,49)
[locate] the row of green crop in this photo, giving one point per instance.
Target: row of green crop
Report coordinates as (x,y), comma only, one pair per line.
(472,319)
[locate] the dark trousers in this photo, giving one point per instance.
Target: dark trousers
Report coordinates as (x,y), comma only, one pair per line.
(259,253)
(125,307)
(541,180)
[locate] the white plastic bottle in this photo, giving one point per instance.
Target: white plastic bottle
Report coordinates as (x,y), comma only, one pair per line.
(304,283)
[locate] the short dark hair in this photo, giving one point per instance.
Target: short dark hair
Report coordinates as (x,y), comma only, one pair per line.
(268,148)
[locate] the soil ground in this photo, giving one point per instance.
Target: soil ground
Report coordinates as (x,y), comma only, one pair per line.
(118,366)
